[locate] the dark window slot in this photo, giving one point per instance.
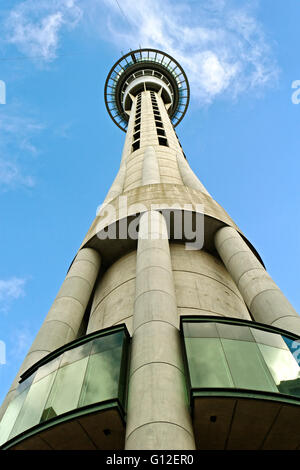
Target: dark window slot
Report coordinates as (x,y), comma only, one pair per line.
(163,141)
(135,145)
(160,131)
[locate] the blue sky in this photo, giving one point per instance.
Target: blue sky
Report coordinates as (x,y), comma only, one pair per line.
(59,150)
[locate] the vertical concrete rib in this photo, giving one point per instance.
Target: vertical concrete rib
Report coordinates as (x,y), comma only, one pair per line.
(118,184)
(263,297)
(150,167)
(188,176)
(158,414)
(65,316)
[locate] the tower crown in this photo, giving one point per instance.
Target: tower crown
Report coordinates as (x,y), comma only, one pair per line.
(146,69)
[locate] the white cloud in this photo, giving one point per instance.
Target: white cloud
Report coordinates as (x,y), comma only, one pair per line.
(64,130)
(16,145)
(221,45)
(10,290)
(34,26)
(21,342)
(11,175)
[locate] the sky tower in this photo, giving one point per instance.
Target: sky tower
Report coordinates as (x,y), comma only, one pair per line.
(167,333)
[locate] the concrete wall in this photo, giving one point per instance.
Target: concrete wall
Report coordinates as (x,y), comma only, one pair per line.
(114,295)
(204,286)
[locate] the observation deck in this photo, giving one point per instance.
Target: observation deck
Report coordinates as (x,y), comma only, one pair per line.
(146,69)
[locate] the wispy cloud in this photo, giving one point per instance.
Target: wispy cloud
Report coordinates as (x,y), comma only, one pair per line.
(21,342)
(34,26)
(221,44)
(10,290)
(16,134)
(11,175)
(64,130)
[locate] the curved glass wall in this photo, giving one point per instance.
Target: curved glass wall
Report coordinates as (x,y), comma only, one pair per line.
(236,355)
(88,371)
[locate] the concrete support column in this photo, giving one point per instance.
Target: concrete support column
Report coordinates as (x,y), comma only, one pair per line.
(188,176)
(150,167)
(158,414)
(263,297)
(64,318)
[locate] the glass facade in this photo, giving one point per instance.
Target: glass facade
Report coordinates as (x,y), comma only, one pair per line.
(91,371)
(224,354)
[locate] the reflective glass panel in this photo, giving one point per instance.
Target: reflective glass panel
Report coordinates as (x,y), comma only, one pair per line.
(25,384)
(243,357)
(200,330)
(238,332)
(107,342)
(11,415)
(91,372)
(47,369)
(68,379)
(102,377)
(33,405)
(75,354)
(284,369)
(247,366)
(207,363)
(268,338)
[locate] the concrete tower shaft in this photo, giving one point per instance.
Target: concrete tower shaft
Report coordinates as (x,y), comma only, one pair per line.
(133,275)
